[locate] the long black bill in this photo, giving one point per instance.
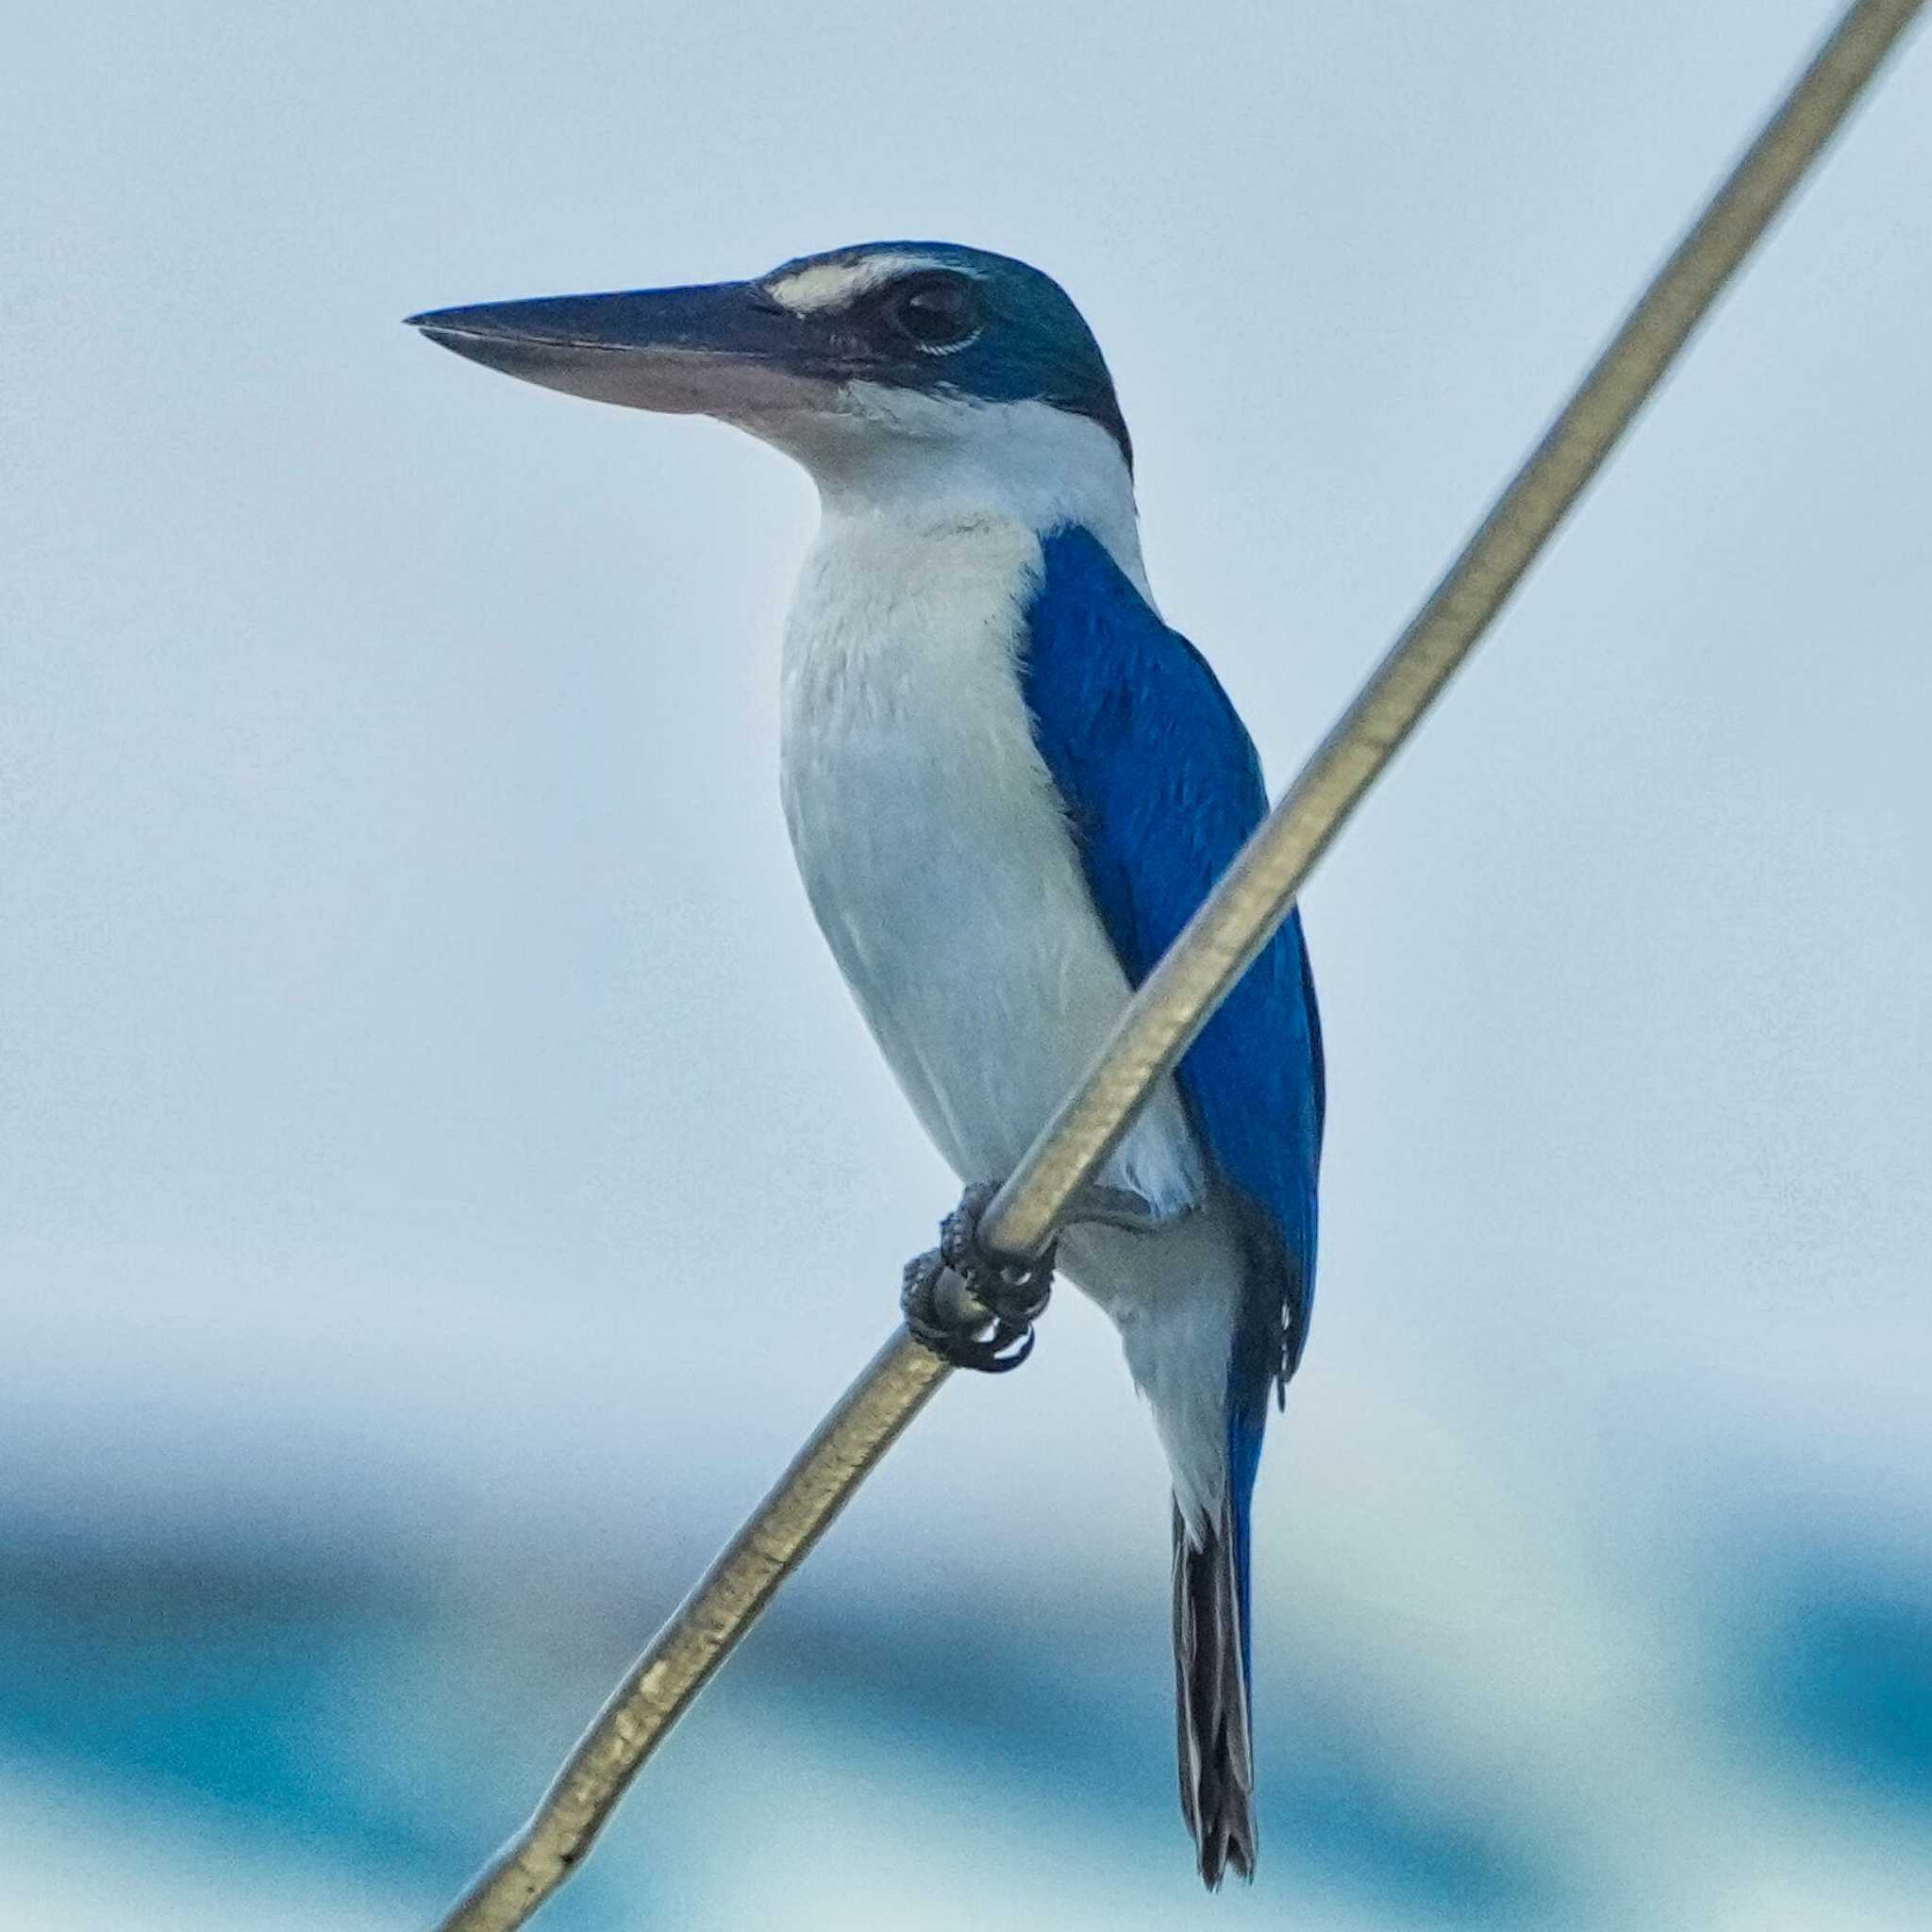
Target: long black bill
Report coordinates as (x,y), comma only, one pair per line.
(709,350)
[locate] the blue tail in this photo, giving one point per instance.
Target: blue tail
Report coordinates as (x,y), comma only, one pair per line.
(1210,1660)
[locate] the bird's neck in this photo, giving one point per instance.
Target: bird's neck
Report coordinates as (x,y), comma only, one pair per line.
(918,465)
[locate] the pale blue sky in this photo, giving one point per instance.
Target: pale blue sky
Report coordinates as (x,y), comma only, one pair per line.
(428,1111)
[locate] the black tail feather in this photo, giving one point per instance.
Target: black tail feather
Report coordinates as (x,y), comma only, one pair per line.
(1217,1757)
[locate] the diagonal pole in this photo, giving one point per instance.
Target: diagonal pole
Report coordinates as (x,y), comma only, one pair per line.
(1177,998)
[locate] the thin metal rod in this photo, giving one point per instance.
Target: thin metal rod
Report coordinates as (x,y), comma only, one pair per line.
(1182,993)
(702,1632)
(1219,944)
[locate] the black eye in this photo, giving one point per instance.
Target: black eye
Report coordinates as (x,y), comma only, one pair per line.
(934,312)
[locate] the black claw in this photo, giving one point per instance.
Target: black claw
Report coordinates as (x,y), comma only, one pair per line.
(988,1326)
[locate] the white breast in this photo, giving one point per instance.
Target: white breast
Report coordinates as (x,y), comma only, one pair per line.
(934,848)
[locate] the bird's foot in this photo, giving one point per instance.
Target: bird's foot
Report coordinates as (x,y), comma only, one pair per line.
(970,1308)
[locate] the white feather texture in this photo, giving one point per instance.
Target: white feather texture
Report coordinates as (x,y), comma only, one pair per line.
(936,857)
(820,286)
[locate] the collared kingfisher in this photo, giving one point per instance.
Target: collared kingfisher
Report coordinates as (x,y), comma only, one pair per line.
(1008,784)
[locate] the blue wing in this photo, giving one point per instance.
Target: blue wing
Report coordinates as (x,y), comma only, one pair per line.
(1162,785)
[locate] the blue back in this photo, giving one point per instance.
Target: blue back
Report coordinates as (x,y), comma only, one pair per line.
(1163,787)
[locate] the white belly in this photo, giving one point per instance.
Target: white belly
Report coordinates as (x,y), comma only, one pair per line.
(934,850)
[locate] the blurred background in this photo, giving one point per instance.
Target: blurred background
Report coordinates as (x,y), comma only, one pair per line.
(442,1178)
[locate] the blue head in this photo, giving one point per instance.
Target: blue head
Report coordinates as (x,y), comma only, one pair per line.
(918,341)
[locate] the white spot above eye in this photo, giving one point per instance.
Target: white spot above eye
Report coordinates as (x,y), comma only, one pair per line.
(821,286)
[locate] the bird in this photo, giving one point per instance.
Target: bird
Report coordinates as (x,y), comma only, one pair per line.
(1008,783)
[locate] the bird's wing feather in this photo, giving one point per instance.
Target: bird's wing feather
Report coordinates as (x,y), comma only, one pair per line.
(1162,787)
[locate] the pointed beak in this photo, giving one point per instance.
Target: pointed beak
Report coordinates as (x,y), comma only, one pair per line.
(727,349)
